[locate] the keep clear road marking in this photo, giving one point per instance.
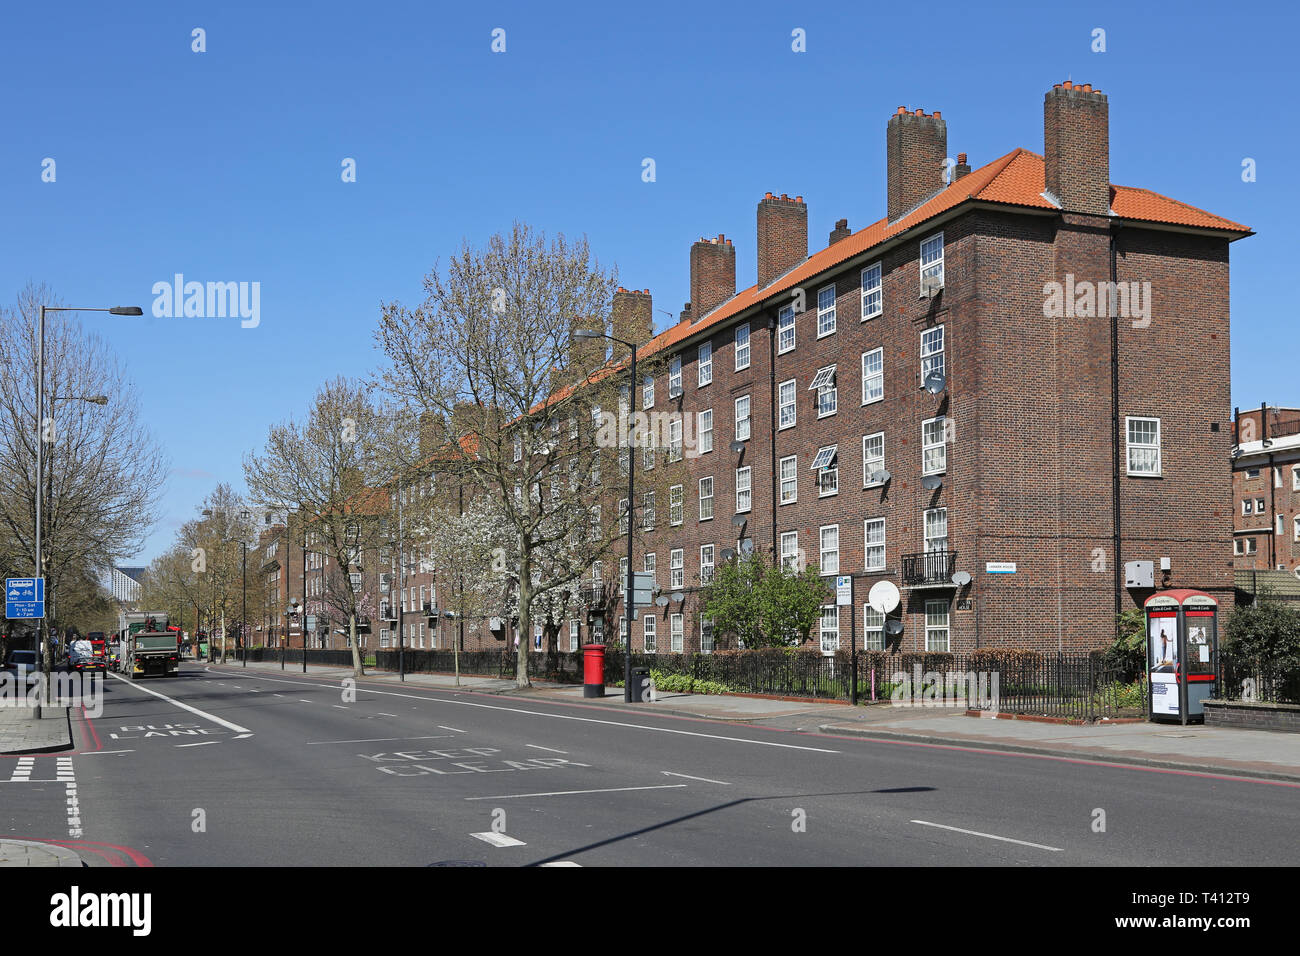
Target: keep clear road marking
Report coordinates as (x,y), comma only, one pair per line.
(549,749)
(990,836)
(585,720)
(183,706)
(498,839)
(687,776)
(567,793)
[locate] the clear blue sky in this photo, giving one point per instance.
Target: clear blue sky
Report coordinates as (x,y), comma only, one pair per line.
(225,165)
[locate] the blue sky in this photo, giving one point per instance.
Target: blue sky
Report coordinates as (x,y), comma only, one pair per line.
(225,165)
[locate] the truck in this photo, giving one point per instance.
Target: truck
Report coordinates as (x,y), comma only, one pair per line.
(148,647)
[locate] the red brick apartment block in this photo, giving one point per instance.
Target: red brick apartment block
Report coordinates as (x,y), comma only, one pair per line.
(1266,490)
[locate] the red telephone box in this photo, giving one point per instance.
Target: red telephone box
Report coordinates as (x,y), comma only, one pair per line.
(1182,653)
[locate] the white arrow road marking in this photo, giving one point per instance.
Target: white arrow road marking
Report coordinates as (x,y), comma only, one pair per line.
(183,706)
(687,776)
(990,836)
(498,839)
(566,793)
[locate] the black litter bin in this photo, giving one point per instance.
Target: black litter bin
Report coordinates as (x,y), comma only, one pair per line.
(640,684)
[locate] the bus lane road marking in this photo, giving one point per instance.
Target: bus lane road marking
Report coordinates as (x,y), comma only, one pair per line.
(184,706)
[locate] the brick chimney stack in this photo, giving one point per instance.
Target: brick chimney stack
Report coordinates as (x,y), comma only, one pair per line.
(841,231)
(1076,148)
(632,318)
(961,169)
(916,146)
(713,274)
(782,236)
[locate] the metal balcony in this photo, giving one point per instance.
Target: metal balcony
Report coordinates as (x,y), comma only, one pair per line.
(929,569)
(593,595)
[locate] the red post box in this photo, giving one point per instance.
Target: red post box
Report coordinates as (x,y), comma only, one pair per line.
(593,670)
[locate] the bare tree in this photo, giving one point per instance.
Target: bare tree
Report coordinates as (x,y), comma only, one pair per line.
(325,471)
(490,355)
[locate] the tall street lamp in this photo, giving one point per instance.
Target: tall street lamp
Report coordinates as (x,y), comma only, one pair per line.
(631,507)
(40,457)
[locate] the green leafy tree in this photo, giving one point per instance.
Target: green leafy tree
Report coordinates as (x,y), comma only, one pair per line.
(765,605)
(1265,636)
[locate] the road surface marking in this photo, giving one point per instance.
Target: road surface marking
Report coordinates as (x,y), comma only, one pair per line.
(561,863)
(183,706)
(103,753)
(64,770)
(551,749)
(382,714)
(498,839)
(453,729)
(341,707)
(990,836)
(669,773)
(585,720)
(201,743)
(277,695)
(566,793)
(240,736)
(23,770)
(376,740)
(302,701)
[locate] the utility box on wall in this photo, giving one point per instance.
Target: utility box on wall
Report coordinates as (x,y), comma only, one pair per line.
(1139,574)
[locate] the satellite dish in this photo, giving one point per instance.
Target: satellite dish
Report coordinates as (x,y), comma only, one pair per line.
(1236,451)
(883,596)
(737,446)
(893,628)
(1297,570)
(739,520)
(678,597)
(961,578)
(935,383)
(931,482)
(880,477)
(662,600)
(728,554)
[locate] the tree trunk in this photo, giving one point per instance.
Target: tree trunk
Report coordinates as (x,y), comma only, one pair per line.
(358,669)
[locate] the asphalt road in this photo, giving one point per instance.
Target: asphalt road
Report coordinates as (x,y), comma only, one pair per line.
(221,766)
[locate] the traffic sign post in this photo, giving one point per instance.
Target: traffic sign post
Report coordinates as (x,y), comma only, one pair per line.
(844,597)
(24,598)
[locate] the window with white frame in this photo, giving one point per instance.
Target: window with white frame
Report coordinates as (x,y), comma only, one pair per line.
(704,431)
(706,563)
(1296,533)
(1259,506)
(675,440)
(675,505)
(873,539)
(519,448)
(936,529)
(648,636)
(827,392)
(677,569)
(873,298)
(1250,546)
(830,629)
(1143,445)
(648,453)
(573,635)
(573,424)
(706,636)
(651,567)
(1295,477)
(706,499)
(873,376)
(676,632)
(622,630)
(1247,506)
(936,627)
(785,330)
(873,457)
(825,311)
(742,346)
(622,516)
(873,629)
(705,364)
(790,550)
(826,465)
(786,404)
(789,480)
(594,530)
(742,418)
(1281,525)
(648,511)
(932,362)
(622,578)
(932,262)
(830,549)
(674,376)
(743,497)
(597,570)
(934,452)
(648,392)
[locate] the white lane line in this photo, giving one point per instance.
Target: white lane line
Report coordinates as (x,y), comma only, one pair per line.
(302,701)
(201,743)
(441,727)
(183,706)
(498,839)
(561,863)
(382,714)
(990,836)
(566,793)
(669,773)
(104,753)
(585,720)
(377,740)
(549,749)
(281,695)
(340,707)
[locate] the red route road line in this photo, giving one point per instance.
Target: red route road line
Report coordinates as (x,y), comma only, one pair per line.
(104,850)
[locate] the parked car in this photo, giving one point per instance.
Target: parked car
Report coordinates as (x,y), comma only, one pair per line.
(25,665)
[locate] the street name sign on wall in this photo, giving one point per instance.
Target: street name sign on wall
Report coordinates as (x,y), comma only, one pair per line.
(1000,567)
(24,598)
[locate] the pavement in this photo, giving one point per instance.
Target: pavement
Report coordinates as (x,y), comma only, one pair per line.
(30,853)
(1253,753)
(22,732)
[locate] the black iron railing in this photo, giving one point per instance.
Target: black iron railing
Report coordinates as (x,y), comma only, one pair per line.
(929,569)
(593,595)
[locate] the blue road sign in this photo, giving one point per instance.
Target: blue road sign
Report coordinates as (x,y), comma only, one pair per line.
(24,598)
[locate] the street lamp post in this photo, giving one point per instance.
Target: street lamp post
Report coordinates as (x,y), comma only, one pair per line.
(40,457)
(631,508)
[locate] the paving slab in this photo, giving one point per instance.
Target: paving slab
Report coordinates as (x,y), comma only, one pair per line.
(22,732)
(29,853)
